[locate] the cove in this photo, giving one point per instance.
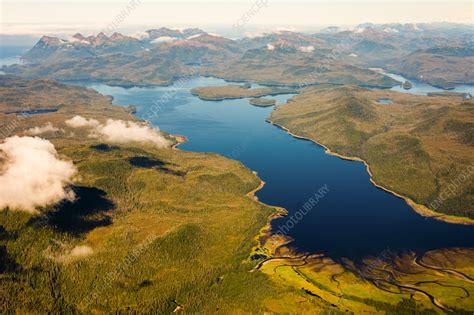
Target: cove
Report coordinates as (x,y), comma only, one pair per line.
(353,219)
(422,88)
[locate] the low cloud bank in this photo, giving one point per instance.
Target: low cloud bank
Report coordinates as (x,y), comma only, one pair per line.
(39,130)
(163,39)
(306,49)
(32,175)
(81,122)
(140,35)
(78,252)
(120,131)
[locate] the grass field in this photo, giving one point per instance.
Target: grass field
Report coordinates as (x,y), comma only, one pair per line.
(437,282)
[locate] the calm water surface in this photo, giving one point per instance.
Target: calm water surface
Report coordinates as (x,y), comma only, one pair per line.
(421,88)
(353,220)
(11,55)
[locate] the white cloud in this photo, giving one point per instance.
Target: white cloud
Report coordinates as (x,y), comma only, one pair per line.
(120,131)
(282,29)
(353,55)
(32,175)
(270,47)
(194,36)
(140,35)
(81,250)
(80,41)
(268,31)
(255,34)
(78,252)
(81,122)
(69,255)
(306,49)
(38,130)
(390,30)
(164,39)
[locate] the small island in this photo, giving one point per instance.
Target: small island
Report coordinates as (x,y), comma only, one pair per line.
(407,85)
(465,96)
(131,109)
(385,101)
(262,102)
(233,91)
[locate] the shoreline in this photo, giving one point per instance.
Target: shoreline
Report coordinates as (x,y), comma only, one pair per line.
(295,85)
(268,246)
(265,102)
(280,212)
(418,208)
(225,98)
(411,79)
(266,230)
(179,140)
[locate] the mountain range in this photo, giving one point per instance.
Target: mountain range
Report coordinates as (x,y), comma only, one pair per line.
(441,54)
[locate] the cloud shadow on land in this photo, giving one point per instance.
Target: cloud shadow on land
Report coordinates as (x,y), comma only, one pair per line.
(7,263)
(104,147)
(89,210)
(147,162)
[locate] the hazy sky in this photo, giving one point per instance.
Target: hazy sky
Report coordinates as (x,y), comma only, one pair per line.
(54,16)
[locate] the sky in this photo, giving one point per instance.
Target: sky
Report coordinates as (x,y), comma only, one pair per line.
(61,17)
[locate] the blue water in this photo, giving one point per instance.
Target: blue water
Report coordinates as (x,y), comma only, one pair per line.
(422,88)
(36,112)
(352,220)
(385,101)
(11,55)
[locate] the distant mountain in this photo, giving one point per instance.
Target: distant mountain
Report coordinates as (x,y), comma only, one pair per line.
(331,29)
(439,66)
(285,37)
(44,48)
(82,46)
(437,53)
(79,46)
(288,65)
(164,35)
(156,33)
(125,60)
(369,46)
(195,51)
(457,51)
(214,42)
